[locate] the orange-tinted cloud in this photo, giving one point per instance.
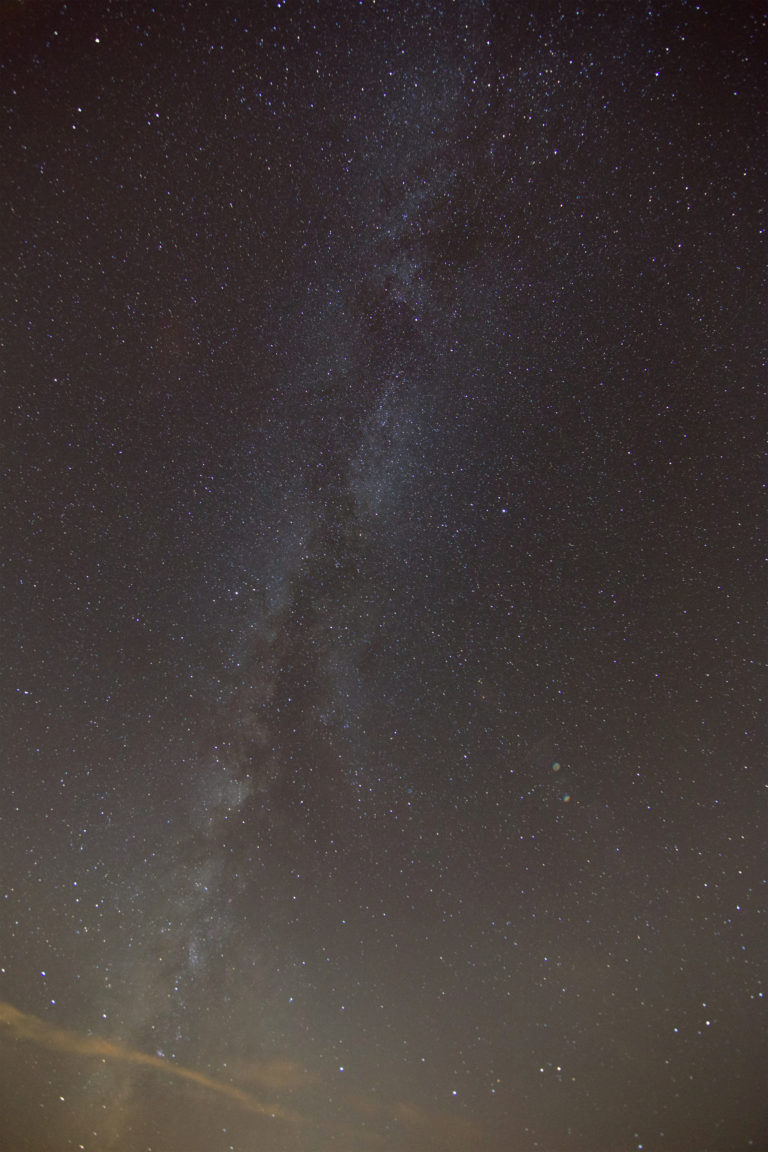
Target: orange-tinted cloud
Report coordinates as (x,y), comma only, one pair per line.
(438,1129)
(24,1026)
(419,1127)
(275,1075)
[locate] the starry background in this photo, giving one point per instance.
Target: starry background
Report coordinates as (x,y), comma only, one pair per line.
(382,449)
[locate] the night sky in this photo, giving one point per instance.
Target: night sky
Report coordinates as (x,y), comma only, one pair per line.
(382,449)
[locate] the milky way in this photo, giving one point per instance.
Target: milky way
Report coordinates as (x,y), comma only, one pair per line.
(382,449)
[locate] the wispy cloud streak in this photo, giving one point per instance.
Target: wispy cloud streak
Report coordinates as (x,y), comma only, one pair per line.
(24,1026)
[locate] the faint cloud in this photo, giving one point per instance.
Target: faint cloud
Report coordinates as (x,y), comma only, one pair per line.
(275,1075)
(24,1026)
(438,1129)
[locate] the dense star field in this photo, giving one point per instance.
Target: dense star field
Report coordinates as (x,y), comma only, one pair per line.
(382,445)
